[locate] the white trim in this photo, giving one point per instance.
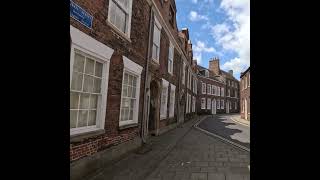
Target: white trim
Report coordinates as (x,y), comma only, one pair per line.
(203,107)
(165,84)
(135,69)
(132,66)
(95,47)
(171,109)
(208,103)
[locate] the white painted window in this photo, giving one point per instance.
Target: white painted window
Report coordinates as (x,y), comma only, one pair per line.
(209,89)
(222,104)
(188,104)
(130,94)
(156,40)
(245,82)
(218,104)
(235,105)
(222,91)
(164,99)
(193,104)
(196,88)
(183,72)
(170,58)
(228,82)
(190,79)
(208,103)
(230,105)
(203,88)
(213,91)
(229,92)
(194,85)
(203,103)
(119,15)
(89,73)
(218,91)
(172,100)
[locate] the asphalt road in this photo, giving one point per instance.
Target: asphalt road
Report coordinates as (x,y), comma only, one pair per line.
(224,126)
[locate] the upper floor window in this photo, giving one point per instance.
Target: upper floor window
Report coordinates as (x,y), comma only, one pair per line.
(156,40)
(206,73)
(203,88)
(222,91)
(119,15)
(208,89)
(183,72)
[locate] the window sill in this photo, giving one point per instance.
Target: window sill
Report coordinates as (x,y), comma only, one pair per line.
(155,61)
(81,136)
(123,35)
(126,126)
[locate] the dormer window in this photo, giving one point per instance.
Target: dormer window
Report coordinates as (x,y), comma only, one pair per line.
(206,73)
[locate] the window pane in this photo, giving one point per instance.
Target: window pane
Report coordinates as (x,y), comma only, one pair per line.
(84,101)
(92,118)
(132,103)
(76,83)
(154,52)
(97,85)
(112,12)
(98,70)
(126,77)
(131,114)
(89,66)
(134,92)
(78,64)
(124,3)
(93,101)
(122,114)
(73,118)
(125,102)
(129,91)
(126,114)
(134,81)
(88,83)
(130,80)
(74,99)
(83,117)
(124,91)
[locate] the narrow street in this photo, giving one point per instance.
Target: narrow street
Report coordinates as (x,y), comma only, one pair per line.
(183,154)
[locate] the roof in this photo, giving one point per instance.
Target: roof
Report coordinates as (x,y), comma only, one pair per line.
(243,73)
(229,75)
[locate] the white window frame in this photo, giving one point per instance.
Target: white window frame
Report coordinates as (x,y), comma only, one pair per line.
(127,11)
(158,26)
(94,48)
(222,92)
(204,88)
(208,103)
(218,103)
(135,69)
(222,103)
(190,76)
(213,91)
(203,103)
(206,72)
(230,105)
(172,98)
(235,105)
(229,93)
(170,67)
(209,89)
(189,95)
(218,88)
(165,85)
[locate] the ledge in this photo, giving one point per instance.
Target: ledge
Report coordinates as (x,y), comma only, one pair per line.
(128,126)
(80,137)
(123,35)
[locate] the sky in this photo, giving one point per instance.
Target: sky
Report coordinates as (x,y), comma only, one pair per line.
(218,28)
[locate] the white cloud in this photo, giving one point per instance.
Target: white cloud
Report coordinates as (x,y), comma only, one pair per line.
(194,16)
(195,1)
(202,47)
(235,36)
(198,57)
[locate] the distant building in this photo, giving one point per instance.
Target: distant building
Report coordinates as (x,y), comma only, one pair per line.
(245,94)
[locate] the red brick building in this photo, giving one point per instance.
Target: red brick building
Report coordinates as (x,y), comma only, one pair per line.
(211,97)
(126,80)
(218,90)
(245,94)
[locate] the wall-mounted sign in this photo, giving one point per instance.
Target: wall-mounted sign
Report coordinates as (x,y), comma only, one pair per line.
(79,14)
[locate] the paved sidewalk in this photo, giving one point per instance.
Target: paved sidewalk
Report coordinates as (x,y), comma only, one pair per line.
(238,119)
(137,166)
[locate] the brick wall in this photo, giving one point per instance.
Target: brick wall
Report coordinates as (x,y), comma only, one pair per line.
(136,50)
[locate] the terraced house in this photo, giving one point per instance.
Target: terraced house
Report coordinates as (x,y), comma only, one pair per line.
(126,80)
(215,95)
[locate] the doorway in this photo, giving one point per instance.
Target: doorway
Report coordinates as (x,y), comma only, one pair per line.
(153,108)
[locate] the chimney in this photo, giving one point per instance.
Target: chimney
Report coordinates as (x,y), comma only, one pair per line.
(214,66)
(231,72)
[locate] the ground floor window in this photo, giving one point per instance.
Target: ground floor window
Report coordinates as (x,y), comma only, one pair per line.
(208,103)
(203,103)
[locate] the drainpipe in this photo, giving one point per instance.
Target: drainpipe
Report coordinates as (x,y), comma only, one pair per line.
(145,104)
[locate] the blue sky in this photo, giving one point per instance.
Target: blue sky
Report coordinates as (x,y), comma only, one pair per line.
(218,28)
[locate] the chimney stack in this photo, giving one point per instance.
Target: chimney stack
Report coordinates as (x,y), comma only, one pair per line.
(231,72)
(214,66)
